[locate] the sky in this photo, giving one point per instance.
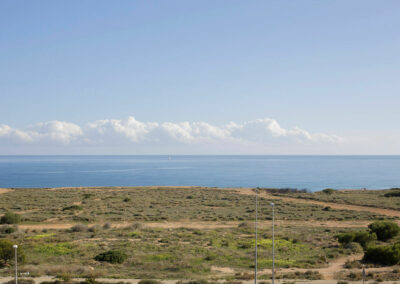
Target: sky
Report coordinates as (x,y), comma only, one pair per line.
(200,77)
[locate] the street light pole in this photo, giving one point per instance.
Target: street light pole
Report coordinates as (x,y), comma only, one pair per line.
(256,227)
(16,264)
(273,242)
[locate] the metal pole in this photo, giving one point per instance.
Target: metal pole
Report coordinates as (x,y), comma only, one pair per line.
(363,273)
(273,243)
(255,258)
(16,264)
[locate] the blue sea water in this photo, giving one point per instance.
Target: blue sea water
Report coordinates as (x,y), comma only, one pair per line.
(311,172)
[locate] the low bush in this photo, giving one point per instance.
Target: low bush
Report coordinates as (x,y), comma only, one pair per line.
(394,193)
(384,255)
(328,191)
(149,281)
(7,229)
(354,247)
(384,230)
(362,237)
(72,208)
(79,228)
(112,256)
(21,281)
(10,218)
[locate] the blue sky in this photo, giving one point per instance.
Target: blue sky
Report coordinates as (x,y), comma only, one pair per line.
(325,67)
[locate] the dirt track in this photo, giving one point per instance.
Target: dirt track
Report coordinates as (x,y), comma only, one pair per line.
(206,225)
(387,212)
(4,190)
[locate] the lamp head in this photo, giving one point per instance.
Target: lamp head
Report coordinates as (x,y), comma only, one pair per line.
(15,246)
(272,204)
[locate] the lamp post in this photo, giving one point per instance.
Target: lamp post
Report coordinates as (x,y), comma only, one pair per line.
(16,264)
(273,242)
(255,257)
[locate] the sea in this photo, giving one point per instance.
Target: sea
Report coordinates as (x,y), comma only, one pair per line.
(303,172)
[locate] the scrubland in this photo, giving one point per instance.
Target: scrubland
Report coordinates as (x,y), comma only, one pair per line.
(186,233)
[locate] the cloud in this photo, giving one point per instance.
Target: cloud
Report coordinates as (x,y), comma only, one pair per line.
(111,132)
(57,131)
(132,129)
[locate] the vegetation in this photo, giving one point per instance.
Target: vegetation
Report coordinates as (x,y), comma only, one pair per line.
(10,218)
(175,233)
(385,255)
(384,230)
(7,252)
(394,193)
(328,191)
(111,256)
(7,229)
(364,238)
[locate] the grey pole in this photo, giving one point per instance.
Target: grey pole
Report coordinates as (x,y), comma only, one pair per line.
(16,264)
(273,242)
(363,273)
(255,258)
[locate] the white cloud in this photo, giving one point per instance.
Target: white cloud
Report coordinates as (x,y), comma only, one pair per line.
(112,132)
(58,131)
(268,129)
(131,128)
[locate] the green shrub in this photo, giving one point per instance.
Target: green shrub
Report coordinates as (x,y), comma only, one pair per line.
(354,247)
(328,191)
(385,255)
(7,252)
(149,281)
(7,229)
(384,230)
(10,218)
(394,193)
(346,238)
(112,256)
(362,237)
(72,208)
(21,281)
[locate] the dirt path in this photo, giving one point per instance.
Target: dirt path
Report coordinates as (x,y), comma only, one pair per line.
(4,190)
(327,272)
(205,225)
(387,212)
(337,265)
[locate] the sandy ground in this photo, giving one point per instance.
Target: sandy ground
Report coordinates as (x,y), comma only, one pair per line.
(4,190)
(204,225)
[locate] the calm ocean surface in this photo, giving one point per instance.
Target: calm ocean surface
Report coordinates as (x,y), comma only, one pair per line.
(311,172)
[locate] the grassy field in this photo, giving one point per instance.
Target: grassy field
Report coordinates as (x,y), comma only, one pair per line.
(126,219)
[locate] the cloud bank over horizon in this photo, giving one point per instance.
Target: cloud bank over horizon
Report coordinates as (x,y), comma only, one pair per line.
(110,133)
